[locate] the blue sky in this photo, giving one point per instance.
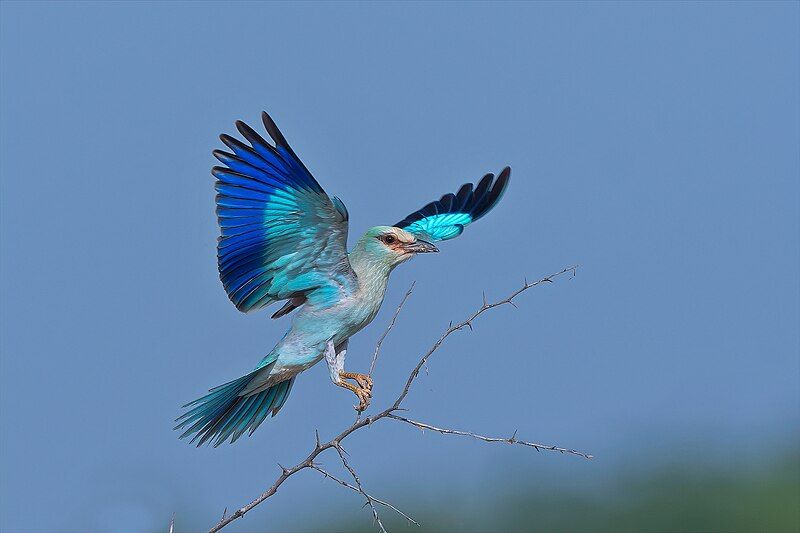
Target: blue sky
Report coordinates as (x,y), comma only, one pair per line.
(655,145)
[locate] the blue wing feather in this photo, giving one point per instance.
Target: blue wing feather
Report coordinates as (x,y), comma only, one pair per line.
(281,234)
(446,218)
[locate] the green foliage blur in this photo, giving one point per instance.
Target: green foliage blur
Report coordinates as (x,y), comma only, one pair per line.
(736,497)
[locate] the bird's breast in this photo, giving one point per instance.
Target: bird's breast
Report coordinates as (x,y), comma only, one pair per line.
(349,315)
(337,322)
(358,313)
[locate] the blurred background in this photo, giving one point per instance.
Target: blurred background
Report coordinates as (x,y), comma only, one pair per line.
(653,144)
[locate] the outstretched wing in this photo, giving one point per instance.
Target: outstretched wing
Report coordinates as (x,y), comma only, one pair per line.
(447,217)
(282,236)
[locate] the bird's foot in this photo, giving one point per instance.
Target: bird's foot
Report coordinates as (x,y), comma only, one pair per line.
(363,389)
(364,380)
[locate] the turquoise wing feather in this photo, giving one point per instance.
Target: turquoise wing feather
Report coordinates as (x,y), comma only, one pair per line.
(446,218)
(282,235)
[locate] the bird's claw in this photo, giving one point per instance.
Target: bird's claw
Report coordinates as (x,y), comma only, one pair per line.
(364,381)
(363,391)
(364,397)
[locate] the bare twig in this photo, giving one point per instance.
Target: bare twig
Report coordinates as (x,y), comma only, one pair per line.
(374,499)
(389,327)
(350,469)
(388,413)
(508,440)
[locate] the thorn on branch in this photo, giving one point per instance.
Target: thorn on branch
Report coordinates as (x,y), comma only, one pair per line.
(573,272)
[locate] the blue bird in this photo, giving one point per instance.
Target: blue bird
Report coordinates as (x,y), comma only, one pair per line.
(284,239)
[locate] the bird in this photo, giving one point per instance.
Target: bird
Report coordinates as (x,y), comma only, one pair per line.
(283,238)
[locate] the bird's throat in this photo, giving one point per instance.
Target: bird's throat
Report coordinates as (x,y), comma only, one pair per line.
(372,274)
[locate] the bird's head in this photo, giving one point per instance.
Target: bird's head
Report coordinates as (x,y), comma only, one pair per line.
(391,246)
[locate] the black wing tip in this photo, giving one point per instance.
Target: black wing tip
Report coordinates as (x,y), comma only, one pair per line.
(268,121)
(273,130)
(492,194)
(219,172)
(230,142)
(222,156)
(248,132)
(502,180)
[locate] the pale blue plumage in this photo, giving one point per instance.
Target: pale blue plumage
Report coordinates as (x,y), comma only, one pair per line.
(283,238)
(440,227)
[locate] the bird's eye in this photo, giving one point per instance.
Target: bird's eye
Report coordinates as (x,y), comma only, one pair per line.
(389,239)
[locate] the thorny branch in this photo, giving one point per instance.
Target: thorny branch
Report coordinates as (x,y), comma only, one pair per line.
(349,468)
(373,498)
(508,440)
(389,413)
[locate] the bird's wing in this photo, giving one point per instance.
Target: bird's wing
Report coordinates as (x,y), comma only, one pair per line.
(282,236)
(446,218)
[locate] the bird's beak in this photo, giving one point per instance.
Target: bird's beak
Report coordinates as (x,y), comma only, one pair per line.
(420,247)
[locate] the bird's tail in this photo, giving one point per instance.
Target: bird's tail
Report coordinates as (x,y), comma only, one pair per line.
(223,413)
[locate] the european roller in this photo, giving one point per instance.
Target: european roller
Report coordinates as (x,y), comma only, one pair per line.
(284,239)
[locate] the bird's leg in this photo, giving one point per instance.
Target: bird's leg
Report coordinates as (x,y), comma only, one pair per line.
(334,356)
(335,360)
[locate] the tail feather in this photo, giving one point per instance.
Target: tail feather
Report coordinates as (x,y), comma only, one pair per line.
(224,413)
(281,394)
